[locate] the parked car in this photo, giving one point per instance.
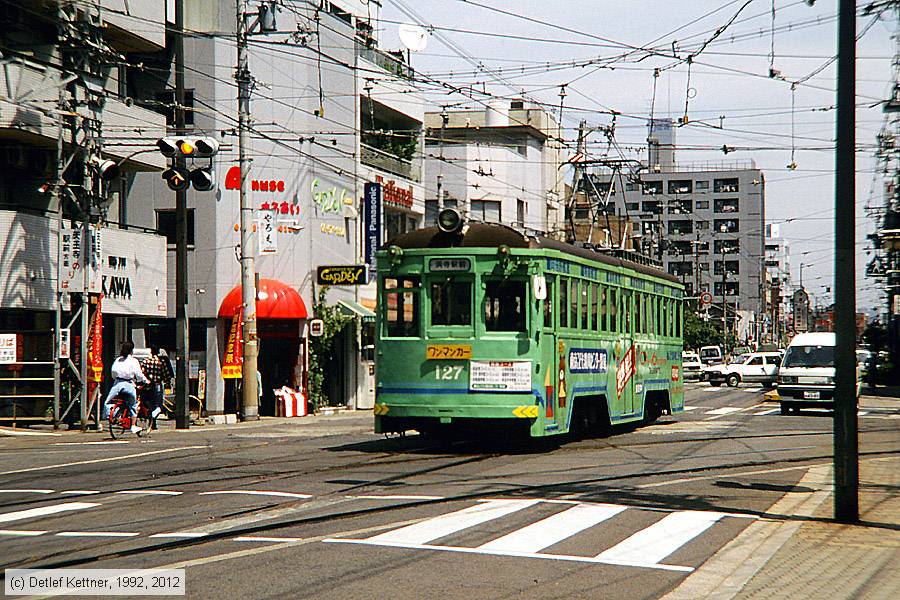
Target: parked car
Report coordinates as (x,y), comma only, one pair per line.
(754,367)
(711,355)
(691,366)
(806,376)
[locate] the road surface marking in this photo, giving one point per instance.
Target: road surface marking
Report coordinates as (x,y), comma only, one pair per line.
(267,539)
(257,493)
(727,475)
(10,431)
(444,525)
(98,534)
(553,529)
(80,492)
(101,460)
(767,412)
(725,410)
(862,413)
(401,497)
(150,492)
(45,510)
(690,408)
(21,532)
(106,443)
(712,388)
(179,534)
(35,491)
(753,390)
(654,543)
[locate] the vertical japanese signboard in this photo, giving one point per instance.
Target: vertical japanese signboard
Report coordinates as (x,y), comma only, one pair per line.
(234,353)
(372,233)
(8,348)
(268,232)
(71,246)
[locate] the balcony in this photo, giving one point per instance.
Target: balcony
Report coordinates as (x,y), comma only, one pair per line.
(389,163)
(29,114)
(386,60)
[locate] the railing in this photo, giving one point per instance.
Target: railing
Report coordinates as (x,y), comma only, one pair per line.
(386,61)
(389,163)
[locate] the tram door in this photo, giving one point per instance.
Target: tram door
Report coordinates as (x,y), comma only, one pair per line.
(550,351)
(627,359)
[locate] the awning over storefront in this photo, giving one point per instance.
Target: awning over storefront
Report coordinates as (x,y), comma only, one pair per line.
(274,300)
(351,308)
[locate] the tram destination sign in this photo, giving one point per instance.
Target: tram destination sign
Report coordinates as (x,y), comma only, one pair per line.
(341,275)
(449,264)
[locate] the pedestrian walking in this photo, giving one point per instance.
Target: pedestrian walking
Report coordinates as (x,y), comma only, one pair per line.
(155,370)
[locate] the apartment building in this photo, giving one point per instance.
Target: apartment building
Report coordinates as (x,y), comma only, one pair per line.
(703,220)
(778,281)
(496,164)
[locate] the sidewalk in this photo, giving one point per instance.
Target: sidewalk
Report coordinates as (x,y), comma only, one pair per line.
(801,553)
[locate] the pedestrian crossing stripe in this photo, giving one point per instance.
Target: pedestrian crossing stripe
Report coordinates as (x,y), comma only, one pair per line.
(646,548)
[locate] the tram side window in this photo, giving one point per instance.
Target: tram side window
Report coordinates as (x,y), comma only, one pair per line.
(505,303)
(595,302)
(664,317)
(585,301)
(451,302)
(652,316)
(638,310)
(563,302)
(401,306)
(548,304)
(603,324)
(612,303)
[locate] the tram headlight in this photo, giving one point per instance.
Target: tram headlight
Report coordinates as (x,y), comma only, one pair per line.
(449,220)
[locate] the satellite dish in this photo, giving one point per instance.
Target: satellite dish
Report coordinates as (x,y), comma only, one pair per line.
(414,37)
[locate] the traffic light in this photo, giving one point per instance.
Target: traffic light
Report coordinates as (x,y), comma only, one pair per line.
(105,168)
(203,178)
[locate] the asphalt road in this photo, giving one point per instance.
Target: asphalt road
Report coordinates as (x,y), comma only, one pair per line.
(325,509)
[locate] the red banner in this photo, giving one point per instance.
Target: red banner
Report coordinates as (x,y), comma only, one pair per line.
(234,351)
(624,371)
(95,351)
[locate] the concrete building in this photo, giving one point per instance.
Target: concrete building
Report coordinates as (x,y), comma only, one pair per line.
(65,94)
(704,221)
(497,164)
(778,282)
(319,82)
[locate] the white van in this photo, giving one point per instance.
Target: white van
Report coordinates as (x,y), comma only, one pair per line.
(806,376)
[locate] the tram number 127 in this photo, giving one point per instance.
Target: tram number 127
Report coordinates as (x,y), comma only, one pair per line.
(448,372)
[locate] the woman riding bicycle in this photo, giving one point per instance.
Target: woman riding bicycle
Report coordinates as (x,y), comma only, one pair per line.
(126,370)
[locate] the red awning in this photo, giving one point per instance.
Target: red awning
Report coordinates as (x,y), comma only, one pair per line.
(274,300)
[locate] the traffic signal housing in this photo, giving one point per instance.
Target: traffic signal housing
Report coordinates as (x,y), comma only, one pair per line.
(203,178)
(178,178)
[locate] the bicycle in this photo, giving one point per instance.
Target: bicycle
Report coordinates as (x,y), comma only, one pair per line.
(120,420)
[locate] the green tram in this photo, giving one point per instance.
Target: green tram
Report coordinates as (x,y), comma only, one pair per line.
(482,325)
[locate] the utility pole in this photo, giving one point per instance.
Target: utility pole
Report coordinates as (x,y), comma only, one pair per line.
(250,410)
(846,443)
(445,118)
(182,328)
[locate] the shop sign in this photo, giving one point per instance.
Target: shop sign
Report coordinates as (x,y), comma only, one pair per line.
(331,229)
(284,208)
(8,352)
(394,194)
(330,201)
(316,327)
(71,278)
(65,343)
(372,208)
(341,275)
(268,235)
(233,182)
(234,351)
(587,360)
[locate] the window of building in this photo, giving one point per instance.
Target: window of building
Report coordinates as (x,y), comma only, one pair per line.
(486,211)
(732,267)
(681,268)
(630,186)
(702,225)
(727,246)
(701,186)
(681,227)
(166,106)
(595,303)
(397,222)
(726,205)
(702,204)
(727,185)
(682,247)
(451,302)
(732,288)
(582,214)
(680,186)
(651,206)
(681,207)
(632,206)
(401,306)
(165,224)
(520,212)
(726,225)
(653,188)
(431,212)
(504,305)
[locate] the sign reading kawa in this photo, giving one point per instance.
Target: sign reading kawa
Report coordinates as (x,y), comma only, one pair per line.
(341,275)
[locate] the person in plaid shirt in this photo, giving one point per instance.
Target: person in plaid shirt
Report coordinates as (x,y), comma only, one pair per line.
(156,371)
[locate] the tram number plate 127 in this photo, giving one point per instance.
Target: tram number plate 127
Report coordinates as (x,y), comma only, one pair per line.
(500,376)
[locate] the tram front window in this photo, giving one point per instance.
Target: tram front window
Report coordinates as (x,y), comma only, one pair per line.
(451,302)
(401,306)
(504,305)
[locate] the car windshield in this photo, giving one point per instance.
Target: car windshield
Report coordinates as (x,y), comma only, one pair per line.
(690,357)
(809,356)
(740,359)
(710,352)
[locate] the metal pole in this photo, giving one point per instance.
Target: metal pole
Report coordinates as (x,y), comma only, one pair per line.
(248,267)
(58,196)
(846,450)
(182,330)
(85,311)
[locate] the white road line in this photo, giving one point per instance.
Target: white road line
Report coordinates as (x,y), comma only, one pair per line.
(725,410)
(179,534)
(565,557)
(411,497)
(41,491)
(712,388)
(14,432)
(653,544)
(29,533)
(150,492)
(80,492)
(101,460)
(267,539)
(553,529)
(727,475)
(690,408)
(767,412)
(444,525)
(753,390)
(106,443)
(45,510)
(862,413)
(98,534)
(257,493)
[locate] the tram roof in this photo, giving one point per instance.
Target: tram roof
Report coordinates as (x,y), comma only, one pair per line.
(483,235)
